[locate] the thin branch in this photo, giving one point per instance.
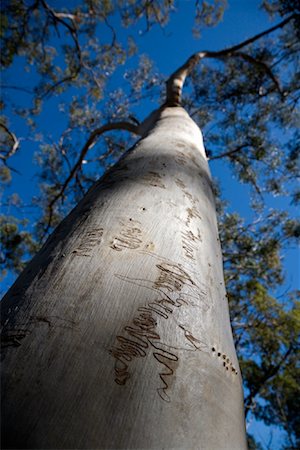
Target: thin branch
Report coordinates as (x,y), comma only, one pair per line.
(176,80)
(257,36)
(59,18)
(114,37)
(16,88)
(229,153)
(10,167)
(127,126)
(58,83)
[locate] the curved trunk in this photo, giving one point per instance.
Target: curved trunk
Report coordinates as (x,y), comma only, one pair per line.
(117,334)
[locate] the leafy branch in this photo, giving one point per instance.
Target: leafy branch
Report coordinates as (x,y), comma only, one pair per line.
(176,80)
(269,373)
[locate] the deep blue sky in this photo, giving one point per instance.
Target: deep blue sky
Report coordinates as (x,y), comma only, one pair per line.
(168,48)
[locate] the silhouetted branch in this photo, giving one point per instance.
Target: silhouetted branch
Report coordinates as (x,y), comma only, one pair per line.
(16,88)
(58,17)
(229,153)
(127,126)
(261,65)
(176,80)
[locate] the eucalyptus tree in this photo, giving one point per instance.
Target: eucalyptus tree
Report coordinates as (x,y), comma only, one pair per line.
(237,95)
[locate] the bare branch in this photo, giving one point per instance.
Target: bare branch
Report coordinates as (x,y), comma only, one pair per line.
(127,126)
(16,88)
(176,81)
(257,36)
(229,153)
(114,37)
(58,83)
(58,17)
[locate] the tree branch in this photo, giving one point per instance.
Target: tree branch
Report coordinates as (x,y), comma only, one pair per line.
(59,82)
(127,126)
(16,88)
(15,141)
(229,153)
(59,17)
(176,80)
(257,36)
(260,64)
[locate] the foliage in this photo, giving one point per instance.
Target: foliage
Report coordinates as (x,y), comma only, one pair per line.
(16,245)
(245,100)
(266,331)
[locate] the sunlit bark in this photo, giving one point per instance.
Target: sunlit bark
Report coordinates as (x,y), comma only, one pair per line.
(117,334)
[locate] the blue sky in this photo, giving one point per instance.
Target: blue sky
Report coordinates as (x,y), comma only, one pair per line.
(168,48)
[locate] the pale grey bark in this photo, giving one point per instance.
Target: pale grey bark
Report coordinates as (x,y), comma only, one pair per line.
(117,334)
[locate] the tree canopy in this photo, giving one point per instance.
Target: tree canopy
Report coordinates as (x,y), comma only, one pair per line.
(78,68)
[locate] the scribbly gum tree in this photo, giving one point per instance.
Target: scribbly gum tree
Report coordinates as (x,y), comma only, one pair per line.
(122,317)
(117,334)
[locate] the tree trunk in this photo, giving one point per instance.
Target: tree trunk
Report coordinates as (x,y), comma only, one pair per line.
(117,334)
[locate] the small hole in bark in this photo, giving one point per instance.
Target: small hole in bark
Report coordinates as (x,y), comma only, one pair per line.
(219,354)
(213,349)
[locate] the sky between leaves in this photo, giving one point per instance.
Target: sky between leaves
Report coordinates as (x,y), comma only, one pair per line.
(168,47)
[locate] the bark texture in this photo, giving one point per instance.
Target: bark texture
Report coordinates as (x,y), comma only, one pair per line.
(117,335)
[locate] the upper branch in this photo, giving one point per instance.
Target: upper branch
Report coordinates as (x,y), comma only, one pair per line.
(176,81)
(59,17)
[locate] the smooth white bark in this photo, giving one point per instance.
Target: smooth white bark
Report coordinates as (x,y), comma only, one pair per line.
(118,332)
